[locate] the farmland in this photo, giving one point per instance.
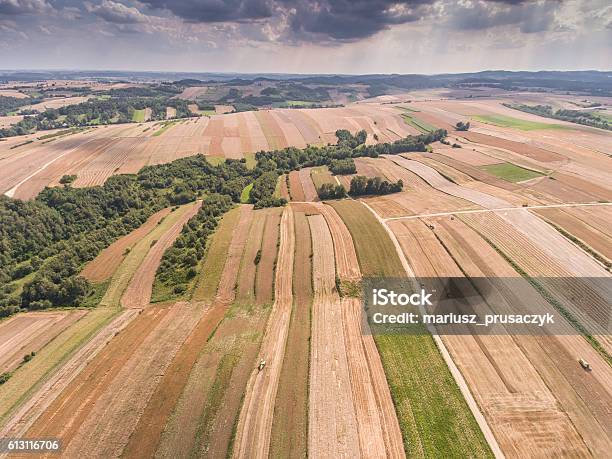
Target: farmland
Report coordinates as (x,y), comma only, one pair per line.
(263,349)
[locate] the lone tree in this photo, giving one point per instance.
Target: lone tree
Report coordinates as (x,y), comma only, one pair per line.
(67,179)
(461,126)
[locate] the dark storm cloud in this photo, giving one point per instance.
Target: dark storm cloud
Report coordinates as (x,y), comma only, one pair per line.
(215,10)
(351,20)
(18,7)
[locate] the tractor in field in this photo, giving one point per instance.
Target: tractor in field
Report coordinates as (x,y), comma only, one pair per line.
(262,364)
(584,364)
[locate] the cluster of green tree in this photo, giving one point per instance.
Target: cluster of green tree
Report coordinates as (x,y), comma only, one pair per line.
(50,238)
(461,126)
(283,161)
(282,93)
(178,265)
(11,104)
(262,193)
(206,106)
(242,107)
(331,191)
(587,118)
(97,111)
(161,90)
(361,185)
(343,166)
(346,139)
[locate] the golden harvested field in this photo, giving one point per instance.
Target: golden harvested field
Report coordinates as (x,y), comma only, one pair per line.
(269,354)
(29,332)
(95,155)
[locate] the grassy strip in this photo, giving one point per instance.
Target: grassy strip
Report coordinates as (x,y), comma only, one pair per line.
(434,418)
(214,260)
(215,160)
(553,302)
(167,125)
(600,258)
(237,339)
(277,191)
(510,172)
(251,162)
(246,194)
(419,125)
(138,116)
(321,175)
(27,142)
(523,125)
(63,133)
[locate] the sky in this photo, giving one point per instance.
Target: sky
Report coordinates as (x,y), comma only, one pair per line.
(306,36)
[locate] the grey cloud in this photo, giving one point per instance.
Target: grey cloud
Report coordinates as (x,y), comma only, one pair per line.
(351,20)
(17,7)
(529,16)
(215,10)
(117,13)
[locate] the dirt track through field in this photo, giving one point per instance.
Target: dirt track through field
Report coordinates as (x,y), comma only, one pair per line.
(255,423)
(138,292)
(504,373)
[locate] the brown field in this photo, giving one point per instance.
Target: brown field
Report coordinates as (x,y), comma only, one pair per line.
(138,292)
(332,420)
(296,191)
(29,332)
(255,422)
(347,266)
(181,379)
(104,265)
(248,270)
(310,193)
(515,380)
(127,148)
(227,282)
(592,237)
(288,437)
(265,268)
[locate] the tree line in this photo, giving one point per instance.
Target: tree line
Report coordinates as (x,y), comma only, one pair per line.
(587,118)
(95,112)
(45,242)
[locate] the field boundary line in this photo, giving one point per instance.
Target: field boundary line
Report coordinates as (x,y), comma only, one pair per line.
(457,375)
(499,209)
